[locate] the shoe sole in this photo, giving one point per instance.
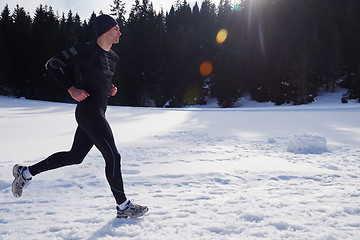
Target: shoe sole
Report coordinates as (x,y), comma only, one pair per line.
(15,171)
(13,185)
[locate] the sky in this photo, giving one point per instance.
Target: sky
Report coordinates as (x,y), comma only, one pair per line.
(85,7)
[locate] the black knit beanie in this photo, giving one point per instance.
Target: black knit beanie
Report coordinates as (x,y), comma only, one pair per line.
(103,23)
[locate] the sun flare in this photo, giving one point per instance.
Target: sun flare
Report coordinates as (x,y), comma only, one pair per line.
(221,36)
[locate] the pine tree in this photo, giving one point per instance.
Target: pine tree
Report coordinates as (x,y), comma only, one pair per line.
(141,29)
(6,23)
(45,44)
(22,56)
(352,39)
(354,92)
(226,80)
(88,29)
(303,73)
(352,34)
(118,11)
(4,68)
(71,29)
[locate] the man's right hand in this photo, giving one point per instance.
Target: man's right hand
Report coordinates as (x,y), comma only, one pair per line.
(78,94)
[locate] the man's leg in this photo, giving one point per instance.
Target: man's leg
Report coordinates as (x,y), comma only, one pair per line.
(103,139)
(22,174)
(94,123)
(80,148)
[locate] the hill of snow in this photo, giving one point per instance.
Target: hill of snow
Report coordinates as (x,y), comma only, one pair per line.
(255,172)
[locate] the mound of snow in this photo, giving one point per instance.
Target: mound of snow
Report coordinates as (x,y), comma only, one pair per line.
(307,144)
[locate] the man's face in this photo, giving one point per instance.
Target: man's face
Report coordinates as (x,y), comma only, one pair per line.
(113,35)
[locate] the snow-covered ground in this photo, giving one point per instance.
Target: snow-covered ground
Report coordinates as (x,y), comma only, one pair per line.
(255,172)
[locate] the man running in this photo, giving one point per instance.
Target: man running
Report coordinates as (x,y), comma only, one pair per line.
(96,64)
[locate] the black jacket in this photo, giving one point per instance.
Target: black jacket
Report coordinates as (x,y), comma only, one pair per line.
(95,66)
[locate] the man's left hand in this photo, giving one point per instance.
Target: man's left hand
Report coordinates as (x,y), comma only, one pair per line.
(113,90)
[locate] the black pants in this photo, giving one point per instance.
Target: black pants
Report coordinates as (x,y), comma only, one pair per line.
(93,129)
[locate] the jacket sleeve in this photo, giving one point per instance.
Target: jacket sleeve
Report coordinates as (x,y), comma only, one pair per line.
(65,58)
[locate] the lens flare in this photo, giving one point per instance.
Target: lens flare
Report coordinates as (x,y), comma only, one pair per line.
(236,7)
(206,68)
(221,36)
(192,96)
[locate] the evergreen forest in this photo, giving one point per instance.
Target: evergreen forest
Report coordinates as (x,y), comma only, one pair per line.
(283,51)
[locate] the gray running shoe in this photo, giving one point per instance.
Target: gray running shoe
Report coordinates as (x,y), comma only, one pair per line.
(132,210)
(19,182)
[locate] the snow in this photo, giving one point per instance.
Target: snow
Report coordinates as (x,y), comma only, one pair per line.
(258,171)
(307,144)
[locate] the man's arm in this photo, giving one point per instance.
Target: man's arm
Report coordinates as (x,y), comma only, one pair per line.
(55,68)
